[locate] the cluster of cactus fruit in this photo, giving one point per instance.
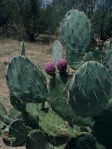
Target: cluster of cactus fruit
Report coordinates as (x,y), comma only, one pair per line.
(72,110)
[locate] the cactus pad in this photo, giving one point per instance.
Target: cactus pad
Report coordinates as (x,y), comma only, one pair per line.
(25,80)
(90,89)
(36,140)
(17,133)
(54,125)
(57,51)
(76,30)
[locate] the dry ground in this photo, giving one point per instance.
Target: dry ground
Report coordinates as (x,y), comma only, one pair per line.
(39,53)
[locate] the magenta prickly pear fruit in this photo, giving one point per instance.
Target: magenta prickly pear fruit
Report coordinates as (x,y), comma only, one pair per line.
(50,69)
(62,65)
(6,62)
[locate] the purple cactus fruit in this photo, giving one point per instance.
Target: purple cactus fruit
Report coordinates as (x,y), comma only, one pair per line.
(6,62)
(50,69)
(62,65)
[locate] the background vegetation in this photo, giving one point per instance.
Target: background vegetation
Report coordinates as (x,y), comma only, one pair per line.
(29,18)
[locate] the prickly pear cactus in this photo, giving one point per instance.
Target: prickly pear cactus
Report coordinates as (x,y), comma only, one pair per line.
(57,129)
(90,89)
(74,109)
(16,134)
(36,140)
(76,32)
(57,51)
(25,81)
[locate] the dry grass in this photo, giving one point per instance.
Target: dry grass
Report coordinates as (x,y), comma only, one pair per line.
(39,53)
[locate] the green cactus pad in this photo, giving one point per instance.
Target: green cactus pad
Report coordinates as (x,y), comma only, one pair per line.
(57,51)
(90,89)
(25,81)
(54,125)
(76,30)
(17,133)
(36,140)
(58,131)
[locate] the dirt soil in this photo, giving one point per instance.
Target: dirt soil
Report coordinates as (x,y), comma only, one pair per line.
(39,53)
